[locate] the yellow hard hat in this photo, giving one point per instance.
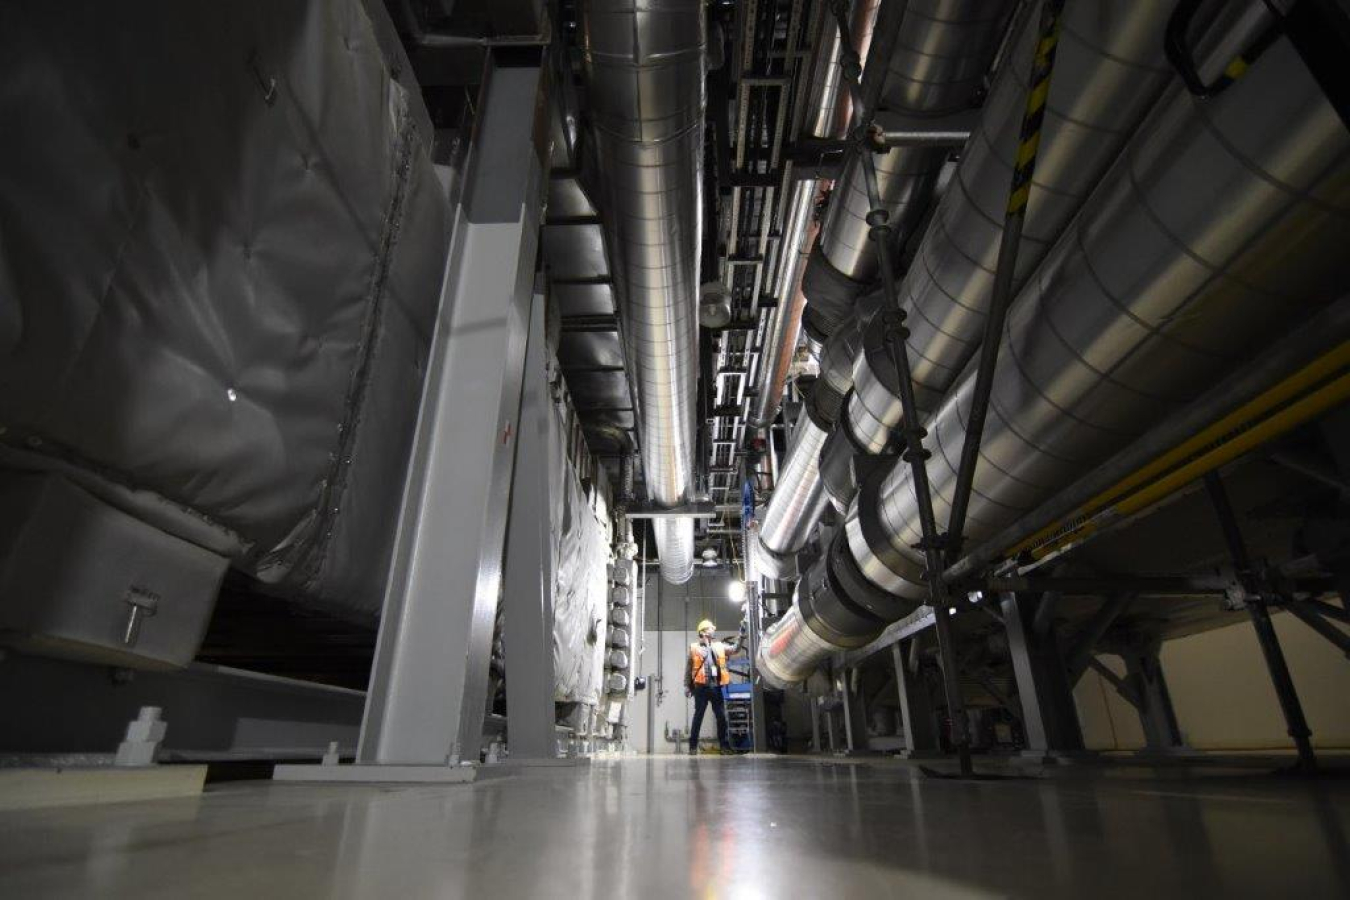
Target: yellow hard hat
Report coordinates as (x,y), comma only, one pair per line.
(706,625)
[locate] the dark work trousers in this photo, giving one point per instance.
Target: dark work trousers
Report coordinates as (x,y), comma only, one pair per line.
(703,695)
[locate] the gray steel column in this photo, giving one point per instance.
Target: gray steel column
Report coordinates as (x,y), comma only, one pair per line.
(527,597)
(855,714)
(428,687)
(758,713)
(916,709)
(1049,718)
(1144,676)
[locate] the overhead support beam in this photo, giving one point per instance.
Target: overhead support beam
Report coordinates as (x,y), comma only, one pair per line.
(699,509)
(428,689)
(1126,584)
(893,129)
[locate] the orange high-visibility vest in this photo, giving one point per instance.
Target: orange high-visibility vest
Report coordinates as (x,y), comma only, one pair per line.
(696,655)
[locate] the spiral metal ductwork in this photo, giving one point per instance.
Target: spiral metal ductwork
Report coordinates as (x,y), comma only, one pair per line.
(1109,71)
(943,50)
(829,112)
(644,66)
(797,499)
(1221,226)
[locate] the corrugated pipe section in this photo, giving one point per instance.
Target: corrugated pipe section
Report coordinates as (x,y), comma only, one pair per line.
(943,50)
(644,65)
(1221,226)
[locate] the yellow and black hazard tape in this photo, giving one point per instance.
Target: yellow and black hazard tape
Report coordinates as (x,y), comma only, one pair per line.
(1034,117)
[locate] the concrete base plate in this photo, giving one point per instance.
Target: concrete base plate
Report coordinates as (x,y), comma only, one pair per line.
(543,762)
(38,788)
(362,774)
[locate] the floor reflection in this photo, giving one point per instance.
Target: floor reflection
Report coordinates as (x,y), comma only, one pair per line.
(703,828)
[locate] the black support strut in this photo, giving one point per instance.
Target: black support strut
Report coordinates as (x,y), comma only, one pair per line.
(1256,603)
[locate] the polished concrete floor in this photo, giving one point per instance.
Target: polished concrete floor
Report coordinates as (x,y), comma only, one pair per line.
(676,827)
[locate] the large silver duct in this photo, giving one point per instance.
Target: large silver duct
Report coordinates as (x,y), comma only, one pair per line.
(828,116)
(797,500)
(1109,71)
(644,65)
(943,51)
(1221,226)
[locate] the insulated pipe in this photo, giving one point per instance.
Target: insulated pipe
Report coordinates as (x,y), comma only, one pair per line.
(1109,71)
(1110,68)
(829,115)
(1221,225)
(943,50)
(798,500)
(644,65)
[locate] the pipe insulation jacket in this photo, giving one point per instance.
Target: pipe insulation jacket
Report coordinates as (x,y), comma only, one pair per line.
(943,50)
(1110,69)
(1220,227)
(644,68)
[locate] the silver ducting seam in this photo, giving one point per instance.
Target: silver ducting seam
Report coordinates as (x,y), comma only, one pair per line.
(829,112)
(1221,226)
(644,63)
(943,50)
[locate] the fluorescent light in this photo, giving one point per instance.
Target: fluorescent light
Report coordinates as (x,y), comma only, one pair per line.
(736,590)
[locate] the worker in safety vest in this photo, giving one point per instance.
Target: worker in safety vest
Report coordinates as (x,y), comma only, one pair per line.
(704,678)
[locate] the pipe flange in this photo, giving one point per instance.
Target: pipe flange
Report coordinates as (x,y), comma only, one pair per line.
(781,566)
(844,568)
(813,338)
(876,354)
(876,558)
(830,294)
(823,405)
(836,467)
(830,614)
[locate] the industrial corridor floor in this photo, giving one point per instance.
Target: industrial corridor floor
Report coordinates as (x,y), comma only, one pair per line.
(711,827)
